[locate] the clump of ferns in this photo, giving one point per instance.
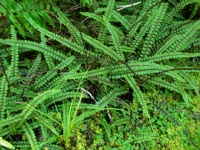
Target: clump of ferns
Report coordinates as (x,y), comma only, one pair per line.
(113,65)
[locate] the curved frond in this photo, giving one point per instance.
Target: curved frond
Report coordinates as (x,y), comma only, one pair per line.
(115,37)
(31,136)
(140,95)
(97,44)
(36,101)
(35,46)
(66,42)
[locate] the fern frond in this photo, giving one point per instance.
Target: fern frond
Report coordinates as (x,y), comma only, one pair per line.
(97,72)
(115,15)
(165,84)
(36,101)
(140,96)
(48,59)
(81,118)
(35,46)
(3,97)
(107,128)
(186,38)
(14,55)
(179,42)
(22,144)
(46,123)
(121,19)
(33,69)
(107,14)
(145,137)
(115,37)
(93,16)
(63,96)
(111,96)
(185,96)
(167,56)
(52,147)
(189,79)
(64,63)
(74,31)
(142,32)
(121,121)
(66,42)
(11,120)
(178,7)
(153,32)
(168,44)
(44,79)
(97,44)
(31,136)
(100,105)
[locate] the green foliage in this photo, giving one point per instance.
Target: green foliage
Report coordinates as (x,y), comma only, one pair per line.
(19,12)
(101,79)
(86,2)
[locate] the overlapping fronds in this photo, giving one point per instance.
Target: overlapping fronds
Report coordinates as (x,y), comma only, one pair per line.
(78,48)
(73,30)
(140,96)
(102,47)
(53,81)
(154,30)
(35,46)
(31,136)
(19,14)
(108,12)
(115,37)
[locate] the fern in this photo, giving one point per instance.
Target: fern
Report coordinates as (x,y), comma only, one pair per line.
(31,136)
(102,47)
(15,55)
(3,99)
(47,124)
(44,79)
(74,32)
(20,13)
(115,37)
(121,19)
(112,95)
(155,26)
(36,101)
(35,46)
(66,42)
(116,65)
(102,30)
(107,128)
(180,6)
(167,56)
(140,96)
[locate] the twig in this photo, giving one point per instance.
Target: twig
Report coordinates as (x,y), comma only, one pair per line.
(126,6)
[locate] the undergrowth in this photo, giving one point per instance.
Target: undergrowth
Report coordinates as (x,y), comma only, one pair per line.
(99,75)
